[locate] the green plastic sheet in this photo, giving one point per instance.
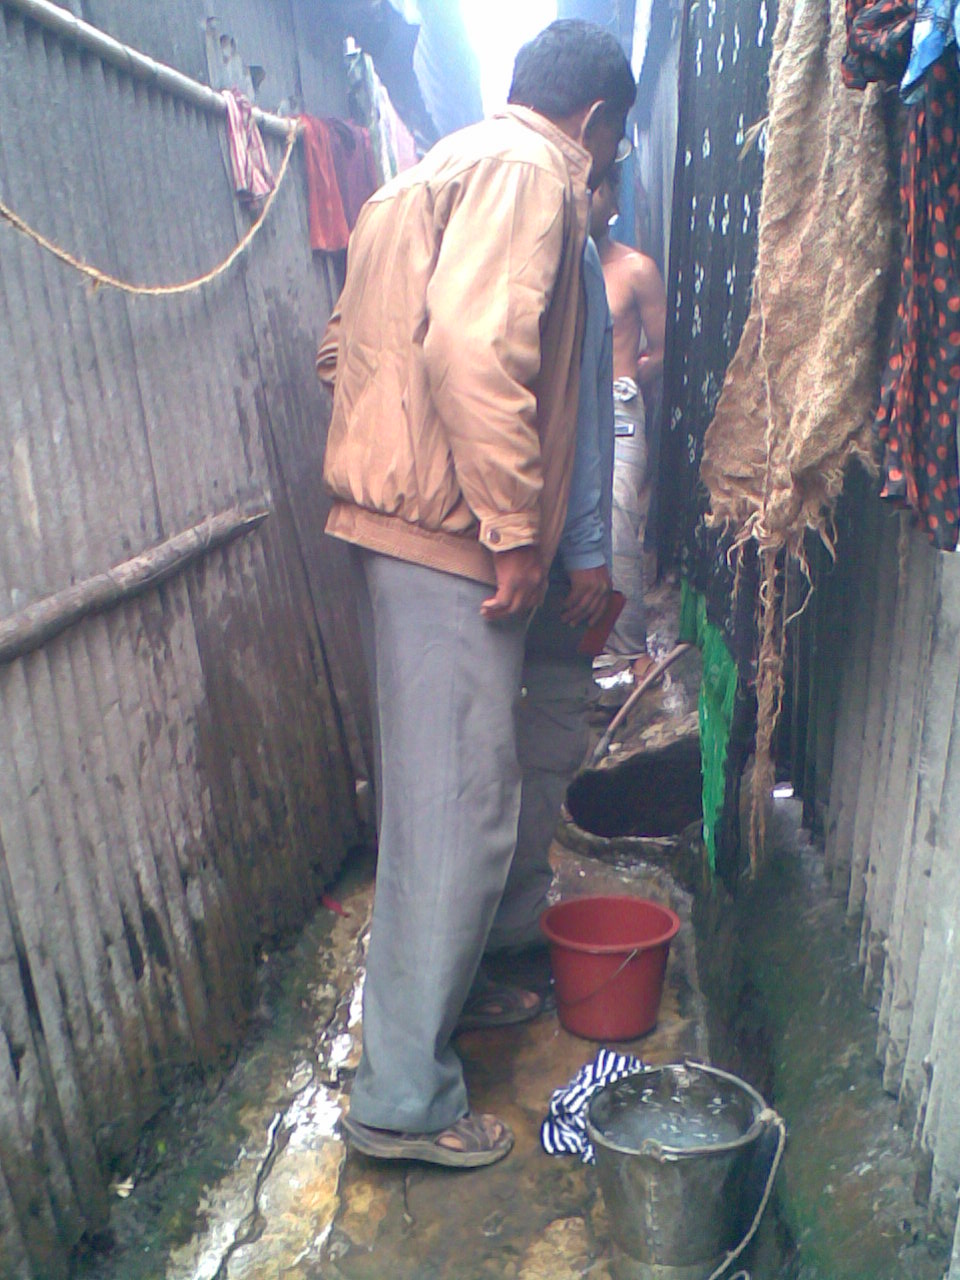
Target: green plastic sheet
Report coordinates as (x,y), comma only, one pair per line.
(718,688)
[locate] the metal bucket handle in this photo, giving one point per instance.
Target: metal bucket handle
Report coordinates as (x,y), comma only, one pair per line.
(766,1118)
(771,1119)
(611,977)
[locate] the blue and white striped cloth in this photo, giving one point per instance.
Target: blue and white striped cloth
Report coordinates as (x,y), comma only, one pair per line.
(564,1132)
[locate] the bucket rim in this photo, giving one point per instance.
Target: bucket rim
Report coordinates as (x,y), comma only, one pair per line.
(610,948)
(660,1151)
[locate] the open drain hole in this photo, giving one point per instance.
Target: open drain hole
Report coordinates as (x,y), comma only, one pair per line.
(656,793)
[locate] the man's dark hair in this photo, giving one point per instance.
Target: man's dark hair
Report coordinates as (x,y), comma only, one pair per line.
(569,66)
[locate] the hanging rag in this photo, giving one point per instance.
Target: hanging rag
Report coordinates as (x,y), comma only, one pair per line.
(401,142)
(329,230)
(920,394)
(800,395)
(252,176)
(937,30)
(564,1131)
(392,144)
(341,177)
(354,166)
(879,34)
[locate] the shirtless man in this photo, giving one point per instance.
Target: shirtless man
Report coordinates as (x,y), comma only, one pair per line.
(638,305)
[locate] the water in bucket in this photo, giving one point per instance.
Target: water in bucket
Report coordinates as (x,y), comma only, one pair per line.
(678,1121)
(674,1148)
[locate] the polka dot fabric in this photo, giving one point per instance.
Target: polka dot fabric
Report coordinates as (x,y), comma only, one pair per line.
(917,419)
(878,41)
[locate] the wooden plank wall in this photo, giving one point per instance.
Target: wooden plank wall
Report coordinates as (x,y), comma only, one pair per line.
(882,707)
(176,780)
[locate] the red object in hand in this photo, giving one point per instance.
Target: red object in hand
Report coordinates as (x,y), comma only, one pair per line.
(595,637)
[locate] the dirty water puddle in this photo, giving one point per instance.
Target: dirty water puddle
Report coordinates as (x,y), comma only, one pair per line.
(239,1177)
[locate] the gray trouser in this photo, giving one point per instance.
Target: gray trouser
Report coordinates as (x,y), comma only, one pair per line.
(630,503)
(551,742)
(445,686)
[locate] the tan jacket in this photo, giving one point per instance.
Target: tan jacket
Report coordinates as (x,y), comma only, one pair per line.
(455,351)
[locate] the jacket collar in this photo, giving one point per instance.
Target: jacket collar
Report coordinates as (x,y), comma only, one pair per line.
(578,158)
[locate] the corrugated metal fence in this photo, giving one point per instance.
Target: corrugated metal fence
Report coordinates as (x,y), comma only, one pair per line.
(876,752)
(175,782)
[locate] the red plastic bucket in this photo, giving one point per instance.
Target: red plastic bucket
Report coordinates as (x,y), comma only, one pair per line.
(609,957)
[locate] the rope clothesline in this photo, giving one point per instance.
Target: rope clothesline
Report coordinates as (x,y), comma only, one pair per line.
(106,279)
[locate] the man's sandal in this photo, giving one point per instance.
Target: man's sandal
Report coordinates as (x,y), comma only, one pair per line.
(496,1004)
(476,1139)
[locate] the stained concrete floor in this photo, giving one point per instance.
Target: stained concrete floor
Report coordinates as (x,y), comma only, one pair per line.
(532,1216)
(253,1180)
(245,1177)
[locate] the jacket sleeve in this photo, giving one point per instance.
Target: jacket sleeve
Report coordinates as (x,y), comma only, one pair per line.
(327,355)
(500,254)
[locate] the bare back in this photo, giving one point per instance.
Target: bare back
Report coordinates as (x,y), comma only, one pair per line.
(638,306)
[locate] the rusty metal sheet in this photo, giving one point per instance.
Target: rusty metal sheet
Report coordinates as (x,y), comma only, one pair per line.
(176,773)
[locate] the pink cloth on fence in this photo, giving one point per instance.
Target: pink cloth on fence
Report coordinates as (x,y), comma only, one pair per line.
(252,175)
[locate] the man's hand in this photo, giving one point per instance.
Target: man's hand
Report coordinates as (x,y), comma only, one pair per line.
(521,582)
(589,589)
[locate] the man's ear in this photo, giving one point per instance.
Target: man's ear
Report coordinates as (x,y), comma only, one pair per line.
(591,118)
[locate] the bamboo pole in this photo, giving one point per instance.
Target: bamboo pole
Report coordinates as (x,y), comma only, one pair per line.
(41,621)
(136,64)
(652,676)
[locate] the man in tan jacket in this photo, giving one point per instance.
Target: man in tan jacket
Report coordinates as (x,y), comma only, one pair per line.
(454,352)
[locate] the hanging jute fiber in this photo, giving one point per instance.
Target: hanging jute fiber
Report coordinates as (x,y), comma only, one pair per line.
(801,392)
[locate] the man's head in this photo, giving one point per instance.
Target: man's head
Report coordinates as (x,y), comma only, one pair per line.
(576,75)
(606,203)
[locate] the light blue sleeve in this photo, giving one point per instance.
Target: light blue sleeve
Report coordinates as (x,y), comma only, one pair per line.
(586,540)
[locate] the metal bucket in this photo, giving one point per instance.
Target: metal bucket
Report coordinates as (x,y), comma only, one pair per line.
(676,1213)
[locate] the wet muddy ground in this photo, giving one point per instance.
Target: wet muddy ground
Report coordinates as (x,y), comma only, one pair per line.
(532,1215)
(245,1176)
(779,969)
(252,1180)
